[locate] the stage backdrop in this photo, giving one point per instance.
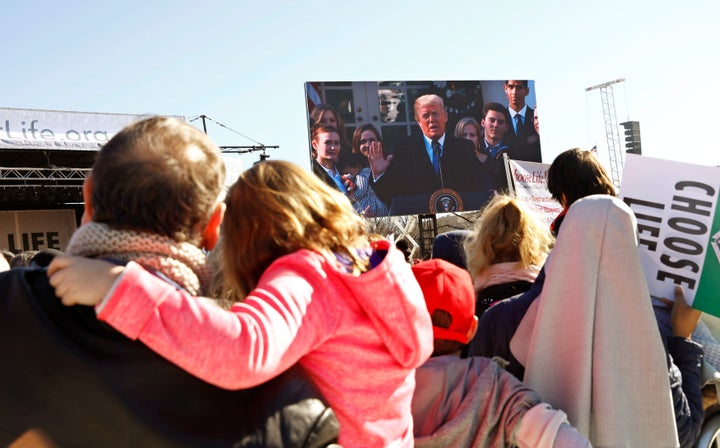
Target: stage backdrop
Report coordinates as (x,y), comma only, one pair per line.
(29,129)
(36,229)
(389,107)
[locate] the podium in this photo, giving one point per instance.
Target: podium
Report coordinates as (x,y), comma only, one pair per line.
(420,204)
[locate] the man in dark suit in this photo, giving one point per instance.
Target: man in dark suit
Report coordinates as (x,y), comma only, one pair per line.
(522,136)
(421,165)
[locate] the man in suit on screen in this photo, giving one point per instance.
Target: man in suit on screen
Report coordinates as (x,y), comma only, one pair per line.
(521,135)
(421,165)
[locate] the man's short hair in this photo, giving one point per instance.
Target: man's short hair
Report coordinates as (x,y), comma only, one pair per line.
(428,99)
(22,259)
(524,82)
(496,107)
(159,175)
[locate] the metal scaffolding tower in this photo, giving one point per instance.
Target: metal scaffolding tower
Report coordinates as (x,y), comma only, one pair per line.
(615,147)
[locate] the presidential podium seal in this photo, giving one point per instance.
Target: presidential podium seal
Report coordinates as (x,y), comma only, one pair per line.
(445,200)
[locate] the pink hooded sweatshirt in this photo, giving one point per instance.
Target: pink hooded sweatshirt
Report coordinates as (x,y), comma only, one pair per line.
(359,338)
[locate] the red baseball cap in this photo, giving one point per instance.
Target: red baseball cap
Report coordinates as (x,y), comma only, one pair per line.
(448,287)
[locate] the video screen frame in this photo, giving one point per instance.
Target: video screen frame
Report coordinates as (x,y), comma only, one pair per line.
(389,107)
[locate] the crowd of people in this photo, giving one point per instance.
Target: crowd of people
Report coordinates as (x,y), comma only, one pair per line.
(182,314)
(401,177)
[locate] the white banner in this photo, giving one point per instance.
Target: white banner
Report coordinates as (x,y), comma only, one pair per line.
(530,184)
(52,129)
(675,205)
(36,229)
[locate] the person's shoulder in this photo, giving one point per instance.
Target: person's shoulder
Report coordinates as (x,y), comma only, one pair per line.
(502,291)
(303,265)
(299,257)
(27,291)
(23,280)
(515,306)
(459,145)
(406,143)
(317,168)
(457,140)
(482,144)
(454,362)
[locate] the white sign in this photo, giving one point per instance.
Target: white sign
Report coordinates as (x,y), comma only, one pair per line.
(52,129)
(675,205)
(529,181)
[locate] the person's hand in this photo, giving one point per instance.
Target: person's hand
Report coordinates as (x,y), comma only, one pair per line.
(367,213)
(82,281)
(378,162)
(350,185)
(684,318)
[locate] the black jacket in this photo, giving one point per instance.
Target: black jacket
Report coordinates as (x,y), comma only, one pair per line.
(85,385)
(498,324)
(528,147)
(494,293)
(411,172)
(322,174)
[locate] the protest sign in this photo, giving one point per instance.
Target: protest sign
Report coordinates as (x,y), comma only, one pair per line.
(529,183)
(678,227)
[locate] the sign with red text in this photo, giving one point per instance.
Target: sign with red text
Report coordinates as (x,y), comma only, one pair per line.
(36,229)
(529,183)
(60,130)
(678,227)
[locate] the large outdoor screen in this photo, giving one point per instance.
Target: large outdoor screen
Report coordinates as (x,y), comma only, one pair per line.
(416,147)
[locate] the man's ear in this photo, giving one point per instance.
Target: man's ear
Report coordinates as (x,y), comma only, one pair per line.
(87,199)
(211,232)
(473,329)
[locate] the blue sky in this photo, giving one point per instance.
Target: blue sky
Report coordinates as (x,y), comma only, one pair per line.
(244,63)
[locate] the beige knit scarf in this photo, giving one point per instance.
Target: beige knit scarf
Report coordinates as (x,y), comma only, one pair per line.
(183,263)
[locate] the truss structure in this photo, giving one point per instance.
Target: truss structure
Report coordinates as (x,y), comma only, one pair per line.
(615,146)
(43,177)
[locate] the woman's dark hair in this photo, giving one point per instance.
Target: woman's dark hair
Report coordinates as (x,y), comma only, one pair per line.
(577,173)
